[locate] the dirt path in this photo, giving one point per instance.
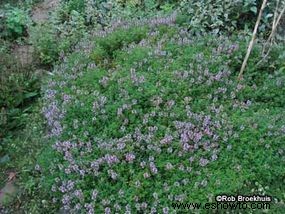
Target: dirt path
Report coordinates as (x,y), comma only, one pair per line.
(23,54)
(41,11)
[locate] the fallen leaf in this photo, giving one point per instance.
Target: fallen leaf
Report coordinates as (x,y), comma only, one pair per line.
(12,176)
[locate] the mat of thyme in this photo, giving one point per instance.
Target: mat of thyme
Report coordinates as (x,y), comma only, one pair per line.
(145,115)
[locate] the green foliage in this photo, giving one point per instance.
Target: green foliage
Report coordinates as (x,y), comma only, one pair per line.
(226,15)
(16,22)
(16,91)
(247,164)
(115,41)
(54,37)
(19,86)
(20,148)
(45,43)
(244,161)
(77,5)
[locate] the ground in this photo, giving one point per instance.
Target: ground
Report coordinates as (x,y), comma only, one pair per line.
(24,55)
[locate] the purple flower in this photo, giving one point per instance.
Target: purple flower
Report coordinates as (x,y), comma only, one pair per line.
(153,168)
(203,162)
(165,210)
(37,167)
(107,210)
(169,166)
(146,175)
(94,194)
(130,157)
(111,159)
(78,194)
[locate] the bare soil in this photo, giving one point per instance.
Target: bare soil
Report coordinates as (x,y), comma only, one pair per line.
(23,54)
(41,11)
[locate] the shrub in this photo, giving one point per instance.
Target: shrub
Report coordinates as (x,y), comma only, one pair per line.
(77,5)
(45,42)
(54,37)
(16,22)
(17,91)
(18,87)
(115,41)
(226,15)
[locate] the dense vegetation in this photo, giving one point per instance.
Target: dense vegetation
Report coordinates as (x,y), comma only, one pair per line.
(140,105)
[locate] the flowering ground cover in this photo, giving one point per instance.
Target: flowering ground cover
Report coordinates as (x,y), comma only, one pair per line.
(130,106)
(143,116)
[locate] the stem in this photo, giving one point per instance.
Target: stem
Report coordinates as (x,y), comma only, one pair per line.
(252,40)
(272,34)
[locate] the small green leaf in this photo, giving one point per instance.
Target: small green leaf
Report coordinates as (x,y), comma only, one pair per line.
(31,94)
(253,9)
(269,15)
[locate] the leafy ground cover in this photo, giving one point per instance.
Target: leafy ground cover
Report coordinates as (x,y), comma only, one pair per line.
(153,114)
(138,113)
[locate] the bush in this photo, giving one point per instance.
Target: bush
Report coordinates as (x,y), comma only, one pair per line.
(54,38)
(157,125)
(15,23)
(18,88)
(77,5)
(45,42)
(115,41)
(226,15)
